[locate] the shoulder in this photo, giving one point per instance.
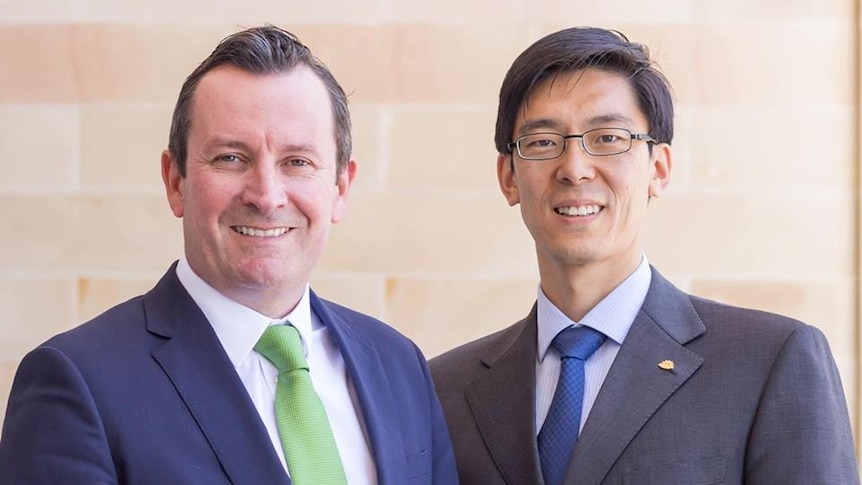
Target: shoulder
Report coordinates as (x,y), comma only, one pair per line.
(90,355)
(468,352)
(724,318)
(115,326)
(361,322)
(121,328)
(351,328)
(743,335)
(475,354)
(729,335)
(693,318)
(711,310)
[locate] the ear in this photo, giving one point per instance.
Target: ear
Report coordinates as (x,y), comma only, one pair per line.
(661,167)
(174,183)
(507,178)
(342,187)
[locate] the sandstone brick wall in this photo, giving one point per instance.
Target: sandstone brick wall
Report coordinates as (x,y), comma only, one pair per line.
(762,209)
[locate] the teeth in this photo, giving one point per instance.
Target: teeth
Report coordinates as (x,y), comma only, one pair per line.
(250,231)
(583,210)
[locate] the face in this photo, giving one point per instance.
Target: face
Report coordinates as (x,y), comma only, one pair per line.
(261,187)
(584,211)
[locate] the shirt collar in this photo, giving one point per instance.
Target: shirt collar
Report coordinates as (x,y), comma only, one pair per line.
(238,327)
(613,315)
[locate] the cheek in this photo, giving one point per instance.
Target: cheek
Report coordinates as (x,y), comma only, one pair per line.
(314,201)
(636,199)
(208,205)
(630,186)
(210,195)
(531,186)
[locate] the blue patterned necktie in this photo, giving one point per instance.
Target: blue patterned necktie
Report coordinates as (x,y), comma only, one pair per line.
(560,431)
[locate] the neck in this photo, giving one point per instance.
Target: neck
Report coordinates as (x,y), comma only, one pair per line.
(575,290)
(274,306)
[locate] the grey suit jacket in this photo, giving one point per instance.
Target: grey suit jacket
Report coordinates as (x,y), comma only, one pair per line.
(753,398)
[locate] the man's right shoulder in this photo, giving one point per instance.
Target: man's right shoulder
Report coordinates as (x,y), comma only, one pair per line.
(478,354)
(120,320)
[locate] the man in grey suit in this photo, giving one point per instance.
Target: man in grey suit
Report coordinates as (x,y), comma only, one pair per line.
(674,389)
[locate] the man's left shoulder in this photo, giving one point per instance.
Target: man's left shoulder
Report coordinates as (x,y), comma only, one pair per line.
(763,326)
(364,324)
(711,310)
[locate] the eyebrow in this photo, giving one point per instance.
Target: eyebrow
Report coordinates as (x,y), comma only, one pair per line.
(610,118)
(595,121)
(532,125)
(219,142)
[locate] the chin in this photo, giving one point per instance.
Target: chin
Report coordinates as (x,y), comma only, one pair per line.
(581,260)
(258,275)
(581,255)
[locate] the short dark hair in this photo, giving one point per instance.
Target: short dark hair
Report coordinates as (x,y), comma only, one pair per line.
(579,48)
(260,50)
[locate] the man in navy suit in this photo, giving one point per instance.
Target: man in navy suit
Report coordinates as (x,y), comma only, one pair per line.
(167,388)
(678,389)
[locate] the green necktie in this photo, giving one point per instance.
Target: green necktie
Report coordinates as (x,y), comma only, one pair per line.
(306,436)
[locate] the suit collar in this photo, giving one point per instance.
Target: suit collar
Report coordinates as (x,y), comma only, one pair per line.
(671,309)
(195,362)
(509,340)
(502,401)
(635,383)
(237,326)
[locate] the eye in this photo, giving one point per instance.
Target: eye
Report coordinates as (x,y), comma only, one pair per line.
(607,139)
(297,162)
(540,141)
(228,159)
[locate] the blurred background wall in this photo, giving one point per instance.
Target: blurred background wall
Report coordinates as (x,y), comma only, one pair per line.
(762,210)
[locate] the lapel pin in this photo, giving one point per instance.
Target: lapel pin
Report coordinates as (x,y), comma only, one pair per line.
(666,365)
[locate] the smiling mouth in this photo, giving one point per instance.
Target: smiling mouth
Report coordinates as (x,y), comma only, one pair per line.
(250,231)
(579,211)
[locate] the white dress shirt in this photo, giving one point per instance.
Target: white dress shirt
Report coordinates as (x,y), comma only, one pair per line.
(613,316)
(239,328)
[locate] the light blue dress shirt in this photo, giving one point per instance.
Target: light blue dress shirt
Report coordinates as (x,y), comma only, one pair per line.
(613,316)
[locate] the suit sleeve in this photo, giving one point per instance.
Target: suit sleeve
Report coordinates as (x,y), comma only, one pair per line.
(52,432)
(801,433)
(445,472)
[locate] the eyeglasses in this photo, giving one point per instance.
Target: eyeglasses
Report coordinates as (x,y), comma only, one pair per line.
(599,142)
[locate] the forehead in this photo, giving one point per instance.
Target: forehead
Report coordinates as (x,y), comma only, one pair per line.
(229,98)
(580,100)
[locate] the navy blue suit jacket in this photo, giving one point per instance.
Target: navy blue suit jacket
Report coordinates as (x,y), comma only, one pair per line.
(145,394)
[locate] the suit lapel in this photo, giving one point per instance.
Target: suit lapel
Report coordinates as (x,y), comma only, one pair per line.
(376,401)
(206,381)
(503,400)
(636,386)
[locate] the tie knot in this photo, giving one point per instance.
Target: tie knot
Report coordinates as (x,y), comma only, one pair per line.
(578,342)
(281,345)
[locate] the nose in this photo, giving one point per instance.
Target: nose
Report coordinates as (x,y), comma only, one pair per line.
(264,188)
(575,165)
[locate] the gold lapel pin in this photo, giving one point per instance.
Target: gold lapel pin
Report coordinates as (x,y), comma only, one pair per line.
(666,365)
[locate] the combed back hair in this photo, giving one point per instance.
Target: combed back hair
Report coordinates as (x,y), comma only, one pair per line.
(580,48)
(260,50)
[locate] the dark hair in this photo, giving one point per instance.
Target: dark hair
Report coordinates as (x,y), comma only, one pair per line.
(260,50)
(579,48)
